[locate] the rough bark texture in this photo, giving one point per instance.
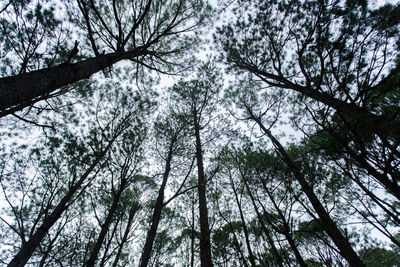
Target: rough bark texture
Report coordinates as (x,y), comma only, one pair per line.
(151,234)
(19,91)
(205,243)
(326,221)
(29,247)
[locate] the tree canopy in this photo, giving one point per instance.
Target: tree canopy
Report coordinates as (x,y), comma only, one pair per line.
(195,133)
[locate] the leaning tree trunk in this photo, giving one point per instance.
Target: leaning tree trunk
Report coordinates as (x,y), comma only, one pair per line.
(29,247)
(17,92)
(151,234)
(235,241)
(134,208)
(106,225)
(245,230)
(378,123)
(277,256)
(286,229)
(327,223)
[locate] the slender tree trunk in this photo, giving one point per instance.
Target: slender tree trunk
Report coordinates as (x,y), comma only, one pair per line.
(326,221)
(29,247)
(17,92)
(109,243)
(239,251)
(205,242)
(106,225)
(132,212)
(286,229)
(192,236)
(151,234)
(235,240)
(267,233)
(246,234)
(377,123)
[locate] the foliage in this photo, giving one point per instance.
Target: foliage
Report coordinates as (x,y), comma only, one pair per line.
(295,142)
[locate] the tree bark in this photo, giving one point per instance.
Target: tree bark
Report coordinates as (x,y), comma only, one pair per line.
(326,221)
(151,234)
(205,243)
(29,247)
(17,92)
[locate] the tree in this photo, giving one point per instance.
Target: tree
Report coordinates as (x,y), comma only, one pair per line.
(231,208)
(106,127)
(244,226)
(124,170)
(295,166)
(374,256)
(32,36)
(171,130)
(133,198)
(255,168)
(197,97)
(321,50)
(29,246)
(249,104)
(148,33)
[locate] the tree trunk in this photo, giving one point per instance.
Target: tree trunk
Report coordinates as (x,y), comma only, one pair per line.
(329,225)
(235,240)
(17,92)
(29,247)
(192,236)
(205,243)
(106,225)
(246,234)
(239,251)
(326,221)
(277,256)
(151,234)
(132,213)
(377,123)
(108,244)
(286,229)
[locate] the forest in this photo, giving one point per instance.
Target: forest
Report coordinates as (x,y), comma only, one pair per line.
(244,133)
